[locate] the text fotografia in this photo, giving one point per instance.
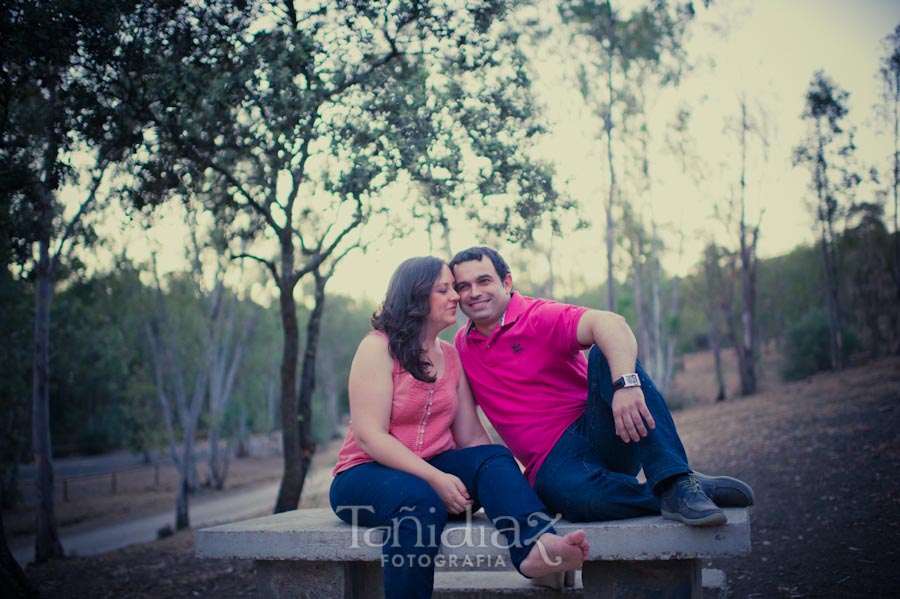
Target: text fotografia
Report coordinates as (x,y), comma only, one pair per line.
(506,532)
(444,561)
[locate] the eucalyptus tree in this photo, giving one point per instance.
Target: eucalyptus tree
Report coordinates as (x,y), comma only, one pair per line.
(319,116)
(889,72)
(742,327)
(63,75)
(647,41)
(827,152)
(715,291)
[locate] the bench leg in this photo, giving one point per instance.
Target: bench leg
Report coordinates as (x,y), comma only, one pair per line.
(668,579)
(285,579)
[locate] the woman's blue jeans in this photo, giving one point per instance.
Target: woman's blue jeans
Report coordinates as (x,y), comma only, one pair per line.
(414,515)
(590,472)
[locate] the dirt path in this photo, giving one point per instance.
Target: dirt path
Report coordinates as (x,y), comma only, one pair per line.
(823,456)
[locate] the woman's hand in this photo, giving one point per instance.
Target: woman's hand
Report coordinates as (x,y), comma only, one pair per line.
(452,492)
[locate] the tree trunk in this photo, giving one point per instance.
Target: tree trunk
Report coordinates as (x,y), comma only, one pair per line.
(13,582)
(182,516)
(613,191)
(643,333)
(308,380)
(291,480)
(657,328)
(613,188)
(242,450)
(221,384)
(829,267)
(215,477)
(830,304)
(747,347)
(713,336)
(187,458)
(896,190)
(47,543)
(713,275)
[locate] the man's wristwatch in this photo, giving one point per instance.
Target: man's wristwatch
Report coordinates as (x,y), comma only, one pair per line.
(627,380)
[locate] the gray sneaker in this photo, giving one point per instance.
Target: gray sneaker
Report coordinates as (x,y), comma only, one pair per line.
(726,491)
(686,502)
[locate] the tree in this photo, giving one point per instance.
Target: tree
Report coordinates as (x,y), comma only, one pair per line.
(311,121)
(827,151)
(889,71)
(62,70)
(16,303)
(741,327)
(181,373)
(13,582)
(203,364)
(647,42)
(715,289)
(866,247)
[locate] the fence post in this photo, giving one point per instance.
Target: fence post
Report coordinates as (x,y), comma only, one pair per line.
(65,489)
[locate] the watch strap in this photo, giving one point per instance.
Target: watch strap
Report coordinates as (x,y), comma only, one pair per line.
(627,380)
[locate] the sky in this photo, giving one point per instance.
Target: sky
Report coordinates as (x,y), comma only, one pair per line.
(766,50)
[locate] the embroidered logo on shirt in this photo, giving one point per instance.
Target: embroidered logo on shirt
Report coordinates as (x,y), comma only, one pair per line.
(517,349)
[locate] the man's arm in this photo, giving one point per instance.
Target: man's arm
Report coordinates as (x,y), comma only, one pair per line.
(611,333)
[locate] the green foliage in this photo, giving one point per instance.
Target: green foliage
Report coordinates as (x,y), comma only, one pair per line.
(16,321)
(98,344)
(806,347)
(788,285)
(103,394)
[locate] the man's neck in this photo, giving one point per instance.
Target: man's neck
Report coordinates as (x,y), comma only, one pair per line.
(487,329)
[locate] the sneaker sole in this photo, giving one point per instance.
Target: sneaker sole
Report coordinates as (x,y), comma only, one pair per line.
(714,519)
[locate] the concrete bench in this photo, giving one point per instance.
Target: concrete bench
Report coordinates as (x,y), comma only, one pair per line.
(311,554)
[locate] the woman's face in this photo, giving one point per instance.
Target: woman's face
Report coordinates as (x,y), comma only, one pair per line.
(443,300)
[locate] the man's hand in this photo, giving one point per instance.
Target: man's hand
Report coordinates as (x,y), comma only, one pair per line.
(452,492)
(631,413)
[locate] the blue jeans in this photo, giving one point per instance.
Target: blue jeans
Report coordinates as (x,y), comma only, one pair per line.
(414,515)
(590,472)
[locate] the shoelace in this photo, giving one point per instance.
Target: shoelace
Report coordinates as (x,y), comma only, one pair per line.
(693,485)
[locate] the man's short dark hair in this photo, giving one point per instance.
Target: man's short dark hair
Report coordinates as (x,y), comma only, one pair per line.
(478,253)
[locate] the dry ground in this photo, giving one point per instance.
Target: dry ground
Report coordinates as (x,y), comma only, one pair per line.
(823,455)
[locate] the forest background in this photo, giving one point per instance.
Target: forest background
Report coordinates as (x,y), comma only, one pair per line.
(182,182)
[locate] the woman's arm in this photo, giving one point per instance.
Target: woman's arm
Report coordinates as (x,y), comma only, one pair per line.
(467,428)
(371,389)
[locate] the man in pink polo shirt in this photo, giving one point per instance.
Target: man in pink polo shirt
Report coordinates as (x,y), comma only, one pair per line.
(583,428)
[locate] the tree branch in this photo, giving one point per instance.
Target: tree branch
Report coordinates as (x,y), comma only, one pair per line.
(70,227)
(267,263)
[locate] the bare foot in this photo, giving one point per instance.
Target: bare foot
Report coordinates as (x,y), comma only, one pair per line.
(553,553)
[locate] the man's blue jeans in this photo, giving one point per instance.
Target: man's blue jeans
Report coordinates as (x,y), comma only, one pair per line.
(590,472)
(414,515)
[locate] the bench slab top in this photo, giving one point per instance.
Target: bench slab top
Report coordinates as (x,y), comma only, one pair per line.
(318,535)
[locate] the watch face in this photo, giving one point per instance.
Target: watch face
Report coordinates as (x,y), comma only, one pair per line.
(631,380)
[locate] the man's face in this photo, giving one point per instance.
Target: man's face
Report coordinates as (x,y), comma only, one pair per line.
(483,297)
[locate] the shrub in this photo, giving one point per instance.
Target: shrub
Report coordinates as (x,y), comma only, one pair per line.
(806,347)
